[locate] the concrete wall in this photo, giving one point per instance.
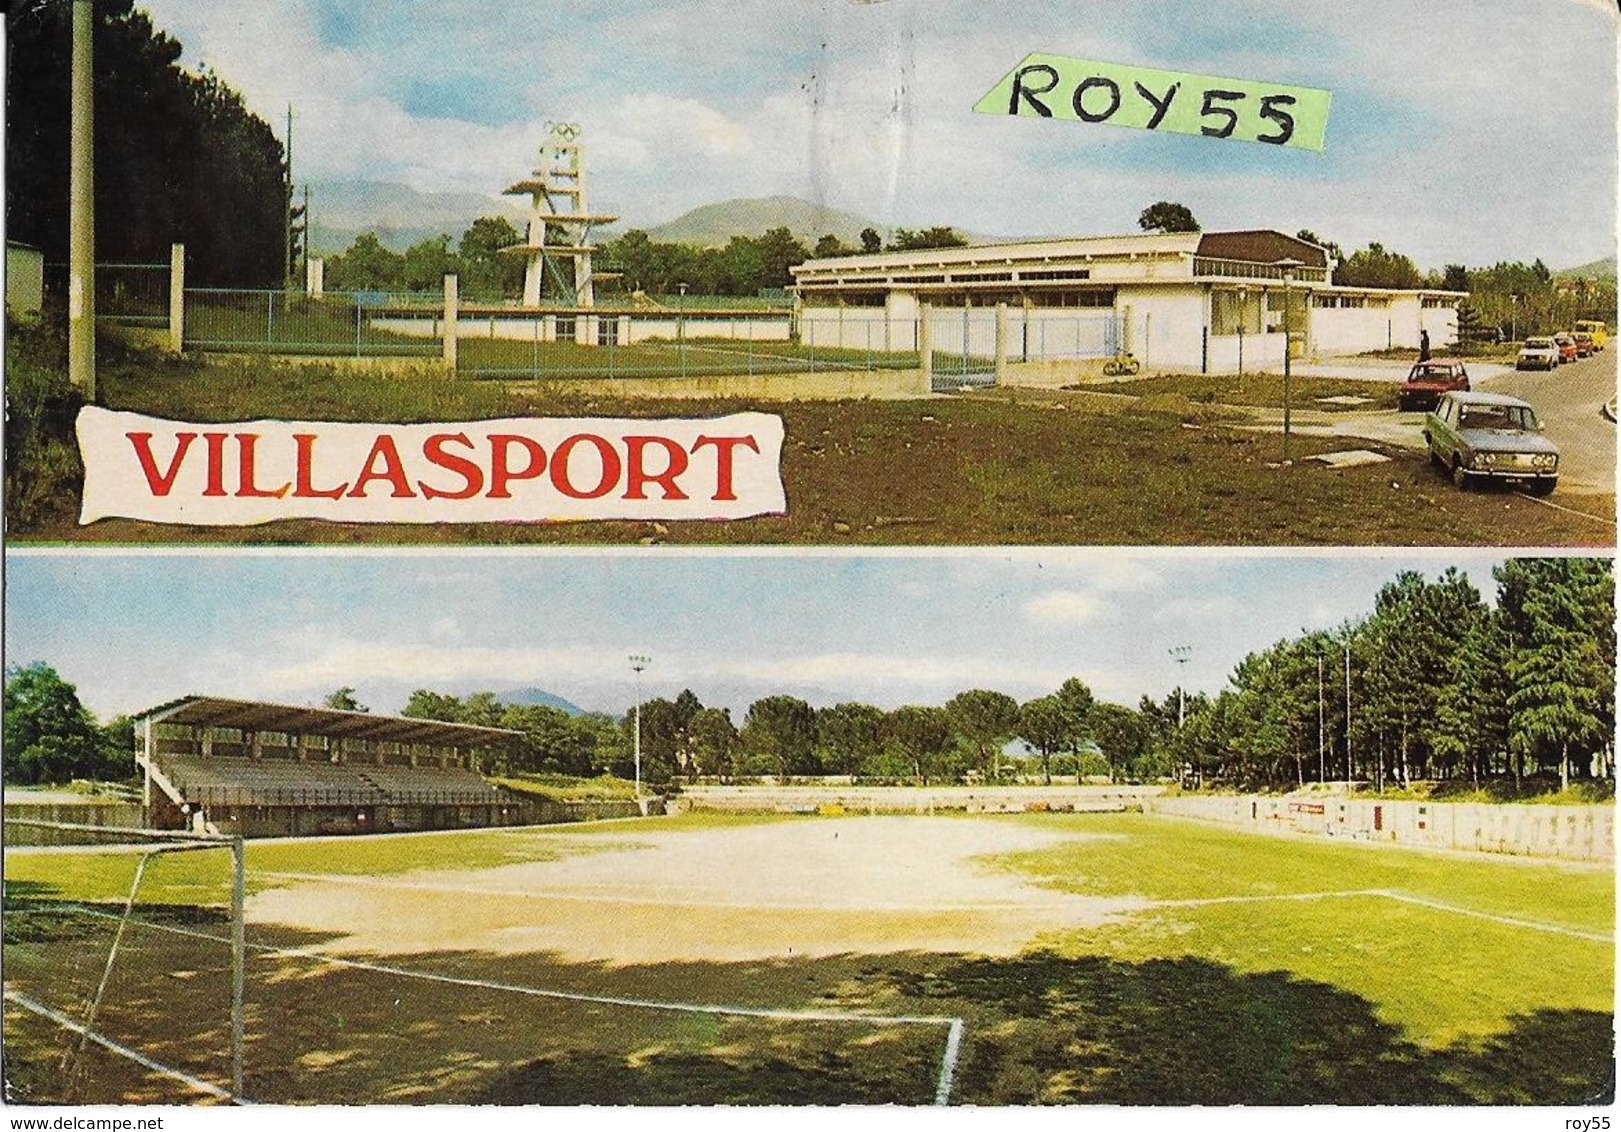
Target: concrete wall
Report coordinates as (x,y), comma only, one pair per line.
(128,814)
(911,799)
(632,328)
(1165,326)
(856,328)
(1354,330)
(1254,351)
(309,821)
(1584,833)
(1442,323)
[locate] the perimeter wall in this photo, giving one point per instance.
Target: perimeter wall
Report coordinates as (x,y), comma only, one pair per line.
(1578,833)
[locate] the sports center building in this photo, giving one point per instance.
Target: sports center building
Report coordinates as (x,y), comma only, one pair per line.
(262,770)
(1203,302)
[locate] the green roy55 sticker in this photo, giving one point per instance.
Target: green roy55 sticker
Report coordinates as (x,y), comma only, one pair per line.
(1143,98)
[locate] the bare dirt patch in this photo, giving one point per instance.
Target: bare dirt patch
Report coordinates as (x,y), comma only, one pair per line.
(801,889)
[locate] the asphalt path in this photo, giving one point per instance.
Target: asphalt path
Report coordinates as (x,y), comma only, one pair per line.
(1569,401)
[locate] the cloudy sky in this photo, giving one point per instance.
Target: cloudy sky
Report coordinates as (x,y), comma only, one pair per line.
(1461,130)
(135,630)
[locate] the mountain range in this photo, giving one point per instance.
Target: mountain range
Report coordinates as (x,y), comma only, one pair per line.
(712,225)
(539,697)
(401,216)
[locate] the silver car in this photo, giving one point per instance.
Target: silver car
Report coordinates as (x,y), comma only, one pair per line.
(1487,436)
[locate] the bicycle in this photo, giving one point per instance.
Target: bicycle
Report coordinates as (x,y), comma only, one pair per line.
(1122,365)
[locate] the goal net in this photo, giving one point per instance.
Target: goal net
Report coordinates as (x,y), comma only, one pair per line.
(124,965)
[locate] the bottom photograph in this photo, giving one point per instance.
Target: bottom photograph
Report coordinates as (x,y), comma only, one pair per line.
(996,828)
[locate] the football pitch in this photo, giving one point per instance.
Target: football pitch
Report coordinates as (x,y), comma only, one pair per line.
(1039,958)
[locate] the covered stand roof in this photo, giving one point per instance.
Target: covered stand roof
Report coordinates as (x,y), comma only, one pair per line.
(256,715)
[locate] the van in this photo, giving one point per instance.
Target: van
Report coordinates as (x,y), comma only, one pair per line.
(1597,329)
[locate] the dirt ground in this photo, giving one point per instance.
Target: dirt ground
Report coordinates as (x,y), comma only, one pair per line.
(869,885)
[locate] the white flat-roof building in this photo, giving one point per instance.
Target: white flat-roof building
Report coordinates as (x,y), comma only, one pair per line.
(25,278)
(1209,302)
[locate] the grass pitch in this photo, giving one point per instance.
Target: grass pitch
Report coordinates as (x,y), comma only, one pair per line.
(1091,959)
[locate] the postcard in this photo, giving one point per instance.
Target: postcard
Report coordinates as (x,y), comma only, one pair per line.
(736,558)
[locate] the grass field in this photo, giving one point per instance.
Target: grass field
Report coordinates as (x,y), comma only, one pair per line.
(1072,468)
(1088,959)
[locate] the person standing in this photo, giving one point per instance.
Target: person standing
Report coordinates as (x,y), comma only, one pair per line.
(1423,345)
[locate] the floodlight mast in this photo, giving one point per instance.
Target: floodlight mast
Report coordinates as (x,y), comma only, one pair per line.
(637,665)
(1181,654)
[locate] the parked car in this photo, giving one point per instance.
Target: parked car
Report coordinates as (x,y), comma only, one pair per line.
(1538,353)
(1599,331)
(1584,344)
(1567,347)
(1488,436)
(1426,381)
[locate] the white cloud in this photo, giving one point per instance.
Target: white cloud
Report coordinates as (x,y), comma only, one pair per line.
(1433,141)
(1065,607)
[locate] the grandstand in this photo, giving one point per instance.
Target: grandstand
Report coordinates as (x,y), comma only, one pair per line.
(260,769)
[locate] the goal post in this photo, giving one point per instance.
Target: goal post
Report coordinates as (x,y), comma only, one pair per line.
(91,890)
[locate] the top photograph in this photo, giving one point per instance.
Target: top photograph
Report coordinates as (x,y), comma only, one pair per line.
(832,272)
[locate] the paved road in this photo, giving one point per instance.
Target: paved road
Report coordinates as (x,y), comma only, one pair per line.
(1568,400)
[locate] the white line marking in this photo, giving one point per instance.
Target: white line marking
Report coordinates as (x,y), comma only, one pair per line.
(1200,901)
(1511,921)
(953,1034)
(67,1023)
(1402,897)
(948,1063)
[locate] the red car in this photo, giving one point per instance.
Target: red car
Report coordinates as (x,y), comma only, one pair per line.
(1567,347)
(1428,380)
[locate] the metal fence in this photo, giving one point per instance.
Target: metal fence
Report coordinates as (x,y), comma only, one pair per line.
(526,345)
(336,324)
(127,294)
(1035,336)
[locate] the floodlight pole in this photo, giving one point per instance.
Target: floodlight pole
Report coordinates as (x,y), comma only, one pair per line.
(1181,654)
(638,664)
(82,204)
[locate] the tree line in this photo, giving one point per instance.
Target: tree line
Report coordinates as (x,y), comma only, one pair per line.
(179,158)
(1434,683)
(745,266)
(1507,301)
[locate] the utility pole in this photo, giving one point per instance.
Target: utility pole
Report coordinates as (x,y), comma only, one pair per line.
(287,210)
(82,204)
